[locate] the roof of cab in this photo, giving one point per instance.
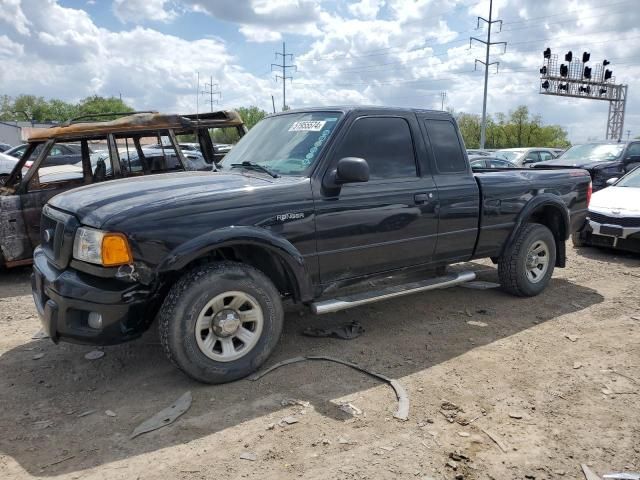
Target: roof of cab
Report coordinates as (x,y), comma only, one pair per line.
(350,108)
(139,122)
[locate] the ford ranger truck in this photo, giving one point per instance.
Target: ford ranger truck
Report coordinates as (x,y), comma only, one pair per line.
(307,208)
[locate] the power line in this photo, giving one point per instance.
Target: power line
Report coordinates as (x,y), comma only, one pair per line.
(488,43)
(284,76)
(211,89)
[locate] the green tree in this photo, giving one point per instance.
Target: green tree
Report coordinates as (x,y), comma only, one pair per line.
(101,105)
(250,116)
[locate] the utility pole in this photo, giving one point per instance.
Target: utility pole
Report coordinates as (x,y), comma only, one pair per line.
(443,96)
(488,43)
(628,134)
(284,76)
(210,89)
(273,102)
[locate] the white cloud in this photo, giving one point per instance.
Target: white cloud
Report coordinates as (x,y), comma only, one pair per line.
(140,11)
(403,53)
(366,9)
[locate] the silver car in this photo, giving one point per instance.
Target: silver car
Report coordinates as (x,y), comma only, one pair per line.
(7,162)
(526,157)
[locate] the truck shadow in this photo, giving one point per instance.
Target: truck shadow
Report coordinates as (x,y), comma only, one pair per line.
(15,282)
(42,399)
(609,255)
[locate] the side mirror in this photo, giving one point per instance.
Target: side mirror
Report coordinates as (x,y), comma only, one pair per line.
(611,181)
(351,170)
(528,161)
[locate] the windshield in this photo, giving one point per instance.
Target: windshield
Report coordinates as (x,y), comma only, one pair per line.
(593,152)
(284,144)
(510,155)
(631,180)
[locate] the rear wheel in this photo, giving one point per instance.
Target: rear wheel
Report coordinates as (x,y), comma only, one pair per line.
(526,268)
(220,322)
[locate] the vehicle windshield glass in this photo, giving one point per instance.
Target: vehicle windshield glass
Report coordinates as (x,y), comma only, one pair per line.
(510,155)
(631,180)
(593,152)
(284,144)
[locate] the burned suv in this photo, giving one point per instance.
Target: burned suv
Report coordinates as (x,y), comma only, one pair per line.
(133,145)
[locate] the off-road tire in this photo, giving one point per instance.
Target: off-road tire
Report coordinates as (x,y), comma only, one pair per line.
(512,265)
(179,312)
(577,240)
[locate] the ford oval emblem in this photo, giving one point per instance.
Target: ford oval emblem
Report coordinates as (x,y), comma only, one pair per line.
(48,235)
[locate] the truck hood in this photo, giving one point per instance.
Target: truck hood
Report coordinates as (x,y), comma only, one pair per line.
(625,200)
(587,165)
(95,204)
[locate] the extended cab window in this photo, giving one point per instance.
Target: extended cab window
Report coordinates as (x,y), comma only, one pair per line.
(385,143)
(446,147)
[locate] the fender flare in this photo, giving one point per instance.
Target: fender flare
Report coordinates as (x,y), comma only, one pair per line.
(541,201)
(281,248)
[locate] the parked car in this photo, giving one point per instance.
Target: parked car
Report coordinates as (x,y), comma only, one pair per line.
(525,157)
(60,153)
(38,176)
(614,216)
(481,162)
(477,152)
(4,147)
(309,203)
(603,160)
(7,164)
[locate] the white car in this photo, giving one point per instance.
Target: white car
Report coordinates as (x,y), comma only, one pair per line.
(614,216)
(7,162)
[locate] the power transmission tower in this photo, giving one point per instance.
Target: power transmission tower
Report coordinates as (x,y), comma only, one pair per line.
(488,43)
(443,96)
(211,90)
(284,76)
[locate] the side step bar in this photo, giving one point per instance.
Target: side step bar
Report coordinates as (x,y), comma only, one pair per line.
(355,300)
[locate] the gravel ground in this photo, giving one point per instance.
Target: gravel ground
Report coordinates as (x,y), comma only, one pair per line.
(531,388)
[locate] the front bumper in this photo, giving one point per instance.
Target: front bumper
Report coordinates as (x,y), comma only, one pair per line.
(602,235)
(64,299)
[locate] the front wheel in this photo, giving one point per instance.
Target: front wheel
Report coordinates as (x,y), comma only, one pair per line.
(220,322)
(526,267)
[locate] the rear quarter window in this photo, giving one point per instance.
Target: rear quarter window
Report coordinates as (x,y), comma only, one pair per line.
(446,146)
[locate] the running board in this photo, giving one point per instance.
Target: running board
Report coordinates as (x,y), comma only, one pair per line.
(355,300)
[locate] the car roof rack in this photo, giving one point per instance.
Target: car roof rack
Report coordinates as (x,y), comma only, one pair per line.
(97,115)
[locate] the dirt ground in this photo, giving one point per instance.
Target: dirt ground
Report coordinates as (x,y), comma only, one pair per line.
(554,380)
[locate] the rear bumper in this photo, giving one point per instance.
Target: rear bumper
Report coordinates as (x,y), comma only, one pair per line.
(65,298)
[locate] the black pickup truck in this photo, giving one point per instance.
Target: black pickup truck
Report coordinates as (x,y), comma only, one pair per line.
(308,205)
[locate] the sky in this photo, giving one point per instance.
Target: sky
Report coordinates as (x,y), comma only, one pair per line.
(378,52)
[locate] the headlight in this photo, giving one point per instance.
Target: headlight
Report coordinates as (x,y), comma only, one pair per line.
(102,248)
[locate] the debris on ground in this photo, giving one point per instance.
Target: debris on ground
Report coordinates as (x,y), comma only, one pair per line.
(450,411)
(573,338)
(38,356)
(271,426)
(252,457)
(350,409)
(622,476)
(480,285)
(477,324)
(94,355)
(42,424)
(402,413)
(287,402)
(288,421)
(110,413)
(577,365)
(464,434)
(39,335)
(84,414)
(516,415)
(348,331)
(164,417)
(588,473)
(495,439)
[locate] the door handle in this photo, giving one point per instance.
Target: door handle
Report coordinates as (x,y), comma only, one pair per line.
(422,197)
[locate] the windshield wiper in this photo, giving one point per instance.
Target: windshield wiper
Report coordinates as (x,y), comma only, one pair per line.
(255,166)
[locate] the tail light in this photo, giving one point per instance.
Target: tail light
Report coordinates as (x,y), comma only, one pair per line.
(589,192)
(28,164)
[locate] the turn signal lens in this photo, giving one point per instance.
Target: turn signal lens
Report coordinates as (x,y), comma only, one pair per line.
(589,193)
(115,250)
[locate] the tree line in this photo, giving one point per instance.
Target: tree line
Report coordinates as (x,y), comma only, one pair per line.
(517,129)
(36,109)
